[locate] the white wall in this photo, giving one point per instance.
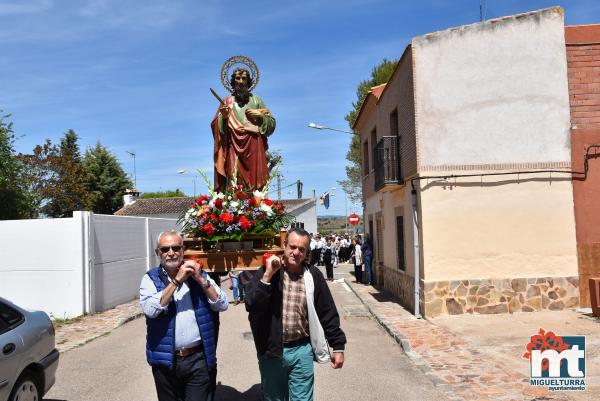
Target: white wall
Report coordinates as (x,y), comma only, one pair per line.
(67,267)
(307,214)
(493,93)
(41,264)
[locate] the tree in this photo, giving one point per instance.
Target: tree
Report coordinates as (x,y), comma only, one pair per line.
(55,175)
(163,194)
(352,185)
(15,200)
(104,179)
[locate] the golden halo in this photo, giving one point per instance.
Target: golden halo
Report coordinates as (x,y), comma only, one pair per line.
(235,61)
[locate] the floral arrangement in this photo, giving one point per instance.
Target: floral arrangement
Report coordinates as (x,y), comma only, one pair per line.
(234,214)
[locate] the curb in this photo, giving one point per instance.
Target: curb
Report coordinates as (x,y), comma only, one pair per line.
(105,333)
(404,343)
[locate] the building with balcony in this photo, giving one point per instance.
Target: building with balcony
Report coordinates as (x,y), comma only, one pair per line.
(466,156)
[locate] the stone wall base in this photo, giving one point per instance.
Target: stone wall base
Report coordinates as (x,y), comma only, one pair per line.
(401,285)
(488,296)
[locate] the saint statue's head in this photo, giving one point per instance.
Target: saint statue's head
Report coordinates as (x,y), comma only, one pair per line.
(241,81)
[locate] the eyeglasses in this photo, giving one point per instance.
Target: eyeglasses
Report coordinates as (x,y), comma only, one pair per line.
(165,249)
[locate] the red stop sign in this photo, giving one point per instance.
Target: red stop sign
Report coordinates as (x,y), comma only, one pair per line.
(354,219)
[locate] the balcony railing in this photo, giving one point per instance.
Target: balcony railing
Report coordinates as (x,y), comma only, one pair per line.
(387,162)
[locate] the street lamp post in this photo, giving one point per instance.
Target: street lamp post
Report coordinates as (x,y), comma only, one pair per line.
(132,154)
(183,171)
(322,127)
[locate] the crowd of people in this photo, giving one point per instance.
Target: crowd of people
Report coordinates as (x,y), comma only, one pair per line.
(331,250)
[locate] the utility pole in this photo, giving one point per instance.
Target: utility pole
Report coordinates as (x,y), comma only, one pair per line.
(482,7)
(132,154)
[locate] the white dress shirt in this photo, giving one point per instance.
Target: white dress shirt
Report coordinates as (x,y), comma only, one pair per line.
(187,333)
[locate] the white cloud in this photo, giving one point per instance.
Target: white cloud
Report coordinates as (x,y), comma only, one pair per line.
(13,8)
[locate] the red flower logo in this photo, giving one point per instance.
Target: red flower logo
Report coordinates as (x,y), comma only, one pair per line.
(208,229)
(226,218)
(545,340)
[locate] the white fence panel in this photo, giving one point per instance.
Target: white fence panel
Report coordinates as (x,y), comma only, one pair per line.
(68,267)
(41,265)
(120,259)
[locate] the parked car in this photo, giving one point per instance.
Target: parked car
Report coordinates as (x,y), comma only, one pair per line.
(28,357)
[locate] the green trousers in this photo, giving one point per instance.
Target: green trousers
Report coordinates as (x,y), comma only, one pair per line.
(289,378)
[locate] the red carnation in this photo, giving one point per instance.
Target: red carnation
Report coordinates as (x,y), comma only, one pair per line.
(202,199)
(208,229)
(268,202)
(219,203)
(213,217)
(226,218)
(251,202)
(241,195)
(244,223)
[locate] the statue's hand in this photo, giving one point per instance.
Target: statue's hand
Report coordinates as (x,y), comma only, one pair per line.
(225,110)
(254,116)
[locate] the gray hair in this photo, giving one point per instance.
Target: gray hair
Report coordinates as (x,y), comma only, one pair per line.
(160,235)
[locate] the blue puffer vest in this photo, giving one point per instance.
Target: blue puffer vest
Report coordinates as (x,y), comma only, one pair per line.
(160,340)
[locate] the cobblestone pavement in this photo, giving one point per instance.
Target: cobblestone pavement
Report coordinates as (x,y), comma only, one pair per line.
(86,328)
(458,368)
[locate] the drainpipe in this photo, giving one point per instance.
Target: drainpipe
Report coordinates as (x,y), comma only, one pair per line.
(415,215)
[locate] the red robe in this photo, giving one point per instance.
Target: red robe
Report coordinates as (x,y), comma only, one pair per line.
(243,140)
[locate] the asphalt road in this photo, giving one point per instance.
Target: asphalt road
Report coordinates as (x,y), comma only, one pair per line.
(114,368)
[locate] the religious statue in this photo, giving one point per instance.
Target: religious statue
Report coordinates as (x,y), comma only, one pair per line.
(241,127)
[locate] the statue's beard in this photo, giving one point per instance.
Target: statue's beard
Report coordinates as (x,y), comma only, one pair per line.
(242,95)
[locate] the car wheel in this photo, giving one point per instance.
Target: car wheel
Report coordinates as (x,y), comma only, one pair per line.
(26,389)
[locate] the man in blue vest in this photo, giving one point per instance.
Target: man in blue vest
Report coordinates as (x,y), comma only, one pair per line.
(181,304)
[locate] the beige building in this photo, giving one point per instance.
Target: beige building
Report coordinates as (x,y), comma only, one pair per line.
(466,154)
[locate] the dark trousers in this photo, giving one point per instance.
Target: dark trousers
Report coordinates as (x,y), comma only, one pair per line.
(189,380)
(358,273)
(329,268)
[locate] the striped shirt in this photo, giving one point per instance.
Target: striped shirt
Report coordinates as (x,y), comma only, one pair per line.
(295,310)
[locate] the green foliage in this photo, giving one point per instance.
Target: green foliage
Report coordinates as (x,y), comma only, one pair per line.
(55,176)
(15,199)
(104,179)
(163,194)
(353,184)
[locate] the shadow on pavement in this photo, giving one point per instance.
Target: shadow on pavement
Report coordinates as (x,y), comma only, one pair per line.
(227,393)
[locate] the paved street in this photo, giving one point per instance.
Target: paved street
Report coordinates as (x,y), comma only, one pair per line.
(113,367)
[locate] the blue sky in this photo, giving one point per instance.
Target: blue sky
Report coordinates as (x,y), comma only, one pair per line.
(135,75)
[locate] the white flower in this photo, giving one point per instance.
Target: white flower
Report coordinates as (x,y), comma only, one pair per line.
(258,194)
(267,209)
(219,195)
(229,197)
(234,204)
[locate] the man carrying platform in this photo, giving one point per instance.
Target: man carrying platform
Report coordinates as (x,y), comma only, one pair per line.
(293,318)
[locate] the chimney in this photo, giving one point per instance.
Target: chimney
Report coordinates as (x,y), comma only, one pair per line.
(130,196)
